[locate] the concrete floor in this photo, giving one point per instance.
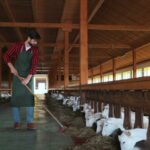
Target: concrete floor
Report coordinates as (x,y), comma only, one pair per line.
(46,137)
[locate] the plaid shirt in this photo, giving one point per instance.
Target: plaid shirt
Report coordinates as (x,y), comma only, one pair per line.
(13,52)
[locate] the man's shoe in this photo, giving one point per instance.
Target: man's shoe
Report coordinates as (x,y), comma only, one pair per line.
(31,126)
(17,125)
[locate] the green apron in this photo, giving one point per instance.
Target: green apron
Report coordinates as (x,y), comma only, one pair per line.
(21,97)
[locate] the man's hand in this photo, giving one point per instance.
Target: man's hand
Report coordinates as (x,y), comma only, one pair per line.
(13,69)
(21,78)
(26,80)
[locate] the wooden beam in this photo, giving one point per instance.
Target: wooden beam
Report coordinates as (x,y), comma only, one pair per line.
(46,56)
(135,28)
(66,60)
(130,84)
(91,57)
(4,89)
(97,7)
(107,46)
(83,42)
(91,46)
(110,27)
(10,15)
(134,63)
(39,25)
(95,10)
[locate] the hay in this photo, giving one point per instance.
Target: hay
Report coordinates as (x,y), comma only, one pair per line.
(78,122)
(86,132)
(97,143)
(77,130)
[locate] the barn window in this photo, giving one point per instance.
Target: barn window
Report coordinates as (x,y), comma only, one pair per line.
(147,71)
(110,77)
(105,78)
(96,79)
(118,76)
(139,72)
(127,75)
(89,81)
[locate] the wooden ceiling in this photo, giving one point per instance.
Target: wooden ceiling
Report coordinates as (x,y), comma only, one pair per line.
(108,41)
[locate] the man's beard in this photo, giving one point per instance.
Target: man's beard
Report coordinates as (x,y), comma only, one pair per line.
(30,44)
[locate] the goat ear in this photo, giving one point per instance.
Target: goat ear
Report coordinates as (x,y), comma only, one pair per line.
(128,133)
(122,128)
(119,137)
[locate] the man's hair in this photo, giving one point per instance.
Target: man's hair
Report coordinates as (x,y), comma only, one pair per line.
(33,34)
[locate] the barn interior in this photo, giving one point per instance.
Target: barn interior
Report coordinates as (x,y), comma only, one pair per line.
(94,52)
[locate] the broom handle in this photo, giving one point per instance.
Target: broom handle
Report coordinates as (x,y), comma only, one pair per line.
(26,86)
(44,106)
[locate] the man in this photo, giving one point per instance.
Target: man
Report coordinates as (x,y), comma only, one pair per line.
(25,54)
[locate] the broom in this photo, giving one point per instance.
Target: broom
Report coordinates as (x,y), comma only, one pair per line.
(62,129)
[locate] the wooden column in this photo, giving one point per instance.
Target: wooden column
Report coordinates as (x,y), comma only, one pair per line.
(66,60)
(92,75)
(114,69)
(127,117)
(148,132)
(134,63)
(59,74)
(83,42)
(54,77)
(101,72)
(0,67)
(9,80)
(138,118)
(51,78)
(110,110)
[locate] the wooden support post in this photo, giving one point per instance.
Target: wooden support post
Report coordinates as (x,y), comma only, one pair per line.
(115,98)
(66,60)
(95,105)
(138,118)
(9,80)
(92,75)
(51,78)
(93,102)
(110,110)
(0,67)
(99,106)
(127,118)
(117,111)
(114,69)
(83,42)
(101,73)
(82,100)
(148,131)
(134,63)
(59,74)
(54,76)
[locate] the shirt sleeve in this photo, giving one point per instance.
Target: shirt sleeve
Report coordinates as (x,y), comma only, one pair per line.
(35,60)
(11,52)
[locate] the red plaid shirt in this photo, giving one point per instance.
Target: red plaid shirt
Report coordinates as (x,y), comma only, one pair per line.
(13,52)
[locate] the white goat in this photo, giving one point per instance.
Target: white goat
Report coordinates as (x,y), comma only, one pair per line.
(129,138)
